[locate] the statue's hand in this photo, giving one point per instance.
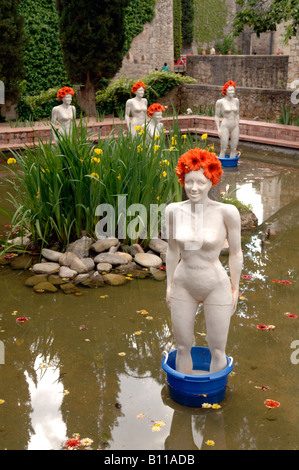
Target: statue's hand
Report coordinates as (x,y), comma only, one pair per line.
(235,296)
(168,298)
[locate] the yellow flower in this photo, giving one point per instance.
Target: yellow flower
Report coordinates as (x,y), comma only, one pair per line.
(172,148)
(11,161)
(98,151)
(215,406)
(166,162)
(66,392)
(95,159)
(164,174)
(156,147)
(206,405)
(157,137)
(137,128)
(184,136)
(2,401)
(122,354)
(173,140)
(204,136)
(209,442)
(118,177)
(86,441)
(95,175)
(139,149)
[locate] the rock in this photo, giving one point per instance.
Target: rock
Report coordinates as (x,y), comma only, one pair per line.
(46,268)
(140,273)
(158,245)
(110,258)
(126,256)
(104,267)
(81,247)
(20,241)
(21,262)
(80,278)
(89,263)
(148,260)
(51,255)
(78,266)
(56,280)
(248,221)
(94,280)
(4,261)
(104,244)
(33,280)
(115,279)
(136,248)
(65,271)
(67,258)
(158,274)
(45,287)
(126,268)
(69,288)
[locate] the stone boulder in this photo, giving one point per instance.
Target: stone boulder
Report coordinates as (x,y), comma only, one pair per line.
(44,287)
(81,247)
(148,260)
(110,258)
(115,279)
(46,268)
(51,255)
(104,244)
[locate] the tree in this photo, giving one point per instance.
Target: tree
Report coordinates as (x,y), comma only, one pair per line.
(187,21)
(177,29)
(12,41)
(92,40)
(263,16)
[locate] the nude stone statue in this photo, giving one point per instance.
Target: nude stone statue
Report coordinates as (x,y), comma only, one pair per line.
(228,107)
(65,113)
(137,108)
(197,229)
(155,126)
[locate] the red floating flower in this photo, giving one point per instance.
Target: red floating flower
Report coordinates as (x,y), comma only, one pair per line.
(246,276)
(262,327)
(291,315)
(272,403)
(22,319)
(72,443)
(286,283)
(276,280)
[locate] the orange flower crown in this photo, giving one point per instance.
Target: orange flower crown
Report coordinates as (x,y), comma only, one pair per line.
(194,160)
(155,107)
(64,91)
(136,86)
(226,85)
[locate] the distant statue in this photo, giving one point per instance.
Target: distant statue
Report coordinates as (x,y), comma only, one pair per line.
(137,108)
(64,113)
(212,51)
(228,107)
(155,126)
(197,230)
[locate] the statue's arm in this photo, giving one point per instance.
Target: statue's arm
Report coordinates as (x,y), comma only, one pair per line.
(233,224)
(217,116)
(127,114)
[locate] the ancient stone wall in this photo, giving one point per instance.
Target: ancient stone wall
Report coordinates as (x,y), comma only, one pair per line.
(246,71)
(153,46)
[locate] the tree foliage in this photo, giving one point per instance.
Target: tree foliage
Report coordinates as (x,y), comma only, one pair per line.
(12,45)
(137,13)
(209,21)
(187,21)
(177,29)
(264,16)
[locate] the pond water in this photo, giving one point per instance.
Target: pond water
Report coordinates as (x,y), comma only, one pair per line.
(91,364)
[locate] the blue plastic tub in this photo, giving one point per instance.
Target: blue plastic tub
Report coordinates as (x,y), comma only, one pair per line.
(194,390)
(228,162)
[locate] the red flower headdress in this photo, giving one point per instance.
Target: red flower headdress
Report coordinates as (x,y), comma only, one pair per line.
(155,107)
(226,85)
(194,160)
(136,86)
(66,90)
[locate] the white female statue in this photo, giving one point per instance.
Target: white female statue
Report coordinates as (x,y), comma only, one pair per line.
(155,126)
(136,107)
(65,113)
(197,230)
(228,107)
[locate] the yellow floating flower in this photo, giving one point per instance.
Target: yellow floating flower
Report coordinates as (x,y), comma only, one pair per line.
(206,405)
(2,401)
(138,332)
(11,161)
(204,136)
(209,442)
(66,392)
(98,151)
(216,406)
(86,441)
(122,354)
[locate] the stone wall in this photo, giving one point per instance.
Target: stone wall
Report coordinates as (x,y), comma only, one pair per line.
(255,103)
(246,71)
(153,46)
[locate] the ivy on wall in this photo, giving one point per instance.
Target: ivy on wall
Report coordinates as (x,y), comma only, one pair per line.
(187,21)
(210,17)
(137,13)
(177,29)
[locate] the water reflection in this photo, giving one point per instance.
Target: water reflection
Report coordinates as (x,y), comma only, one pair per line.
(46,396)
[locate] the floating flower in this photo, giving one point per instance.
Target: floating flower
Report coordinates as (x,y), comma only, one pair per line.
(262,327)
(206,405)
(291,315)
(246,276)
(86,441)
(122,354)
(11,161)
(284,282)
(2,401)
(209,442)
(271,327)
(216,406)
(158,425)
(72,443)
(140,416)
(277,281)
(22,319)
(272,403)
(262,387)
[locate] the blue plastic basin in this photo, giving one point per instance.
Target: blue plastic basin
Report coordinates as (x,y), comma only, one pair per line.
(228,162)
(194,390)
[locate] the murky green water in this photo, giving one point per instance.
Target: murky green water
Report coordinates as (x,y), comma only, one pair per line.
(63,373)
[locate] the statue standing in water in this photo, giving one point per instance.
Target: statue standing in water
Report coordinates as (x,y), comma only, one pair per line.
(155,126)
(137,108)
(197,230)
(65,112)
(228,107)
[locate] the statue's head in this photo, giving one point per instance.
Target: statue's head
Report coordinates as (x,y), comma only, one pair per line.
(155,111)
(229,86)
(138,88)
(65,91)
(199,160)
